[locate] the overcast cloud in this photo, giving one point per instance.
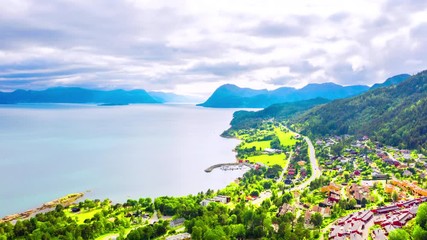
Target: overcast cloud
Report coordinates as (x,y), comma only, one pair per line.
(193,46)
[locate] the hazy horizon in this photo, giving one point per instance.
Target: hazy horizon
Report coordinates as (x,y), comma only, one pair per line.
(193,47)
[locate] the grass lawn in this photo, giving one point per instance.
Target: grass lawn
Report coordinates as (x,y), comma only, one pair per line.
(285,138)
(269,160)
(261,144)
(83,215)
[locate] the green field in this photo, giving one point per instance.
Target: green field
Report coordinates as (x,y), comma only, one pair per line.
(285,138)
(82,216)
(269,160)
(258,145)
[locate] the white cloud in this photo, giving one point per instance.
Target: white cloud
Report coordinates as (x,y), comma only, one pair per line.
(193,46)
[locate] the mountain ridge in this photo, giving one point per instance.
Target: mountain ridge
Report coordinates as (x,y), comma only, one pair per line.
(232,96)
(392,81)
(76,95)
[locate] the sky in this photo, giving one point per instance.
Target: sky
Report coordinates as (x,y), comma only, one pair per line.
(193,46)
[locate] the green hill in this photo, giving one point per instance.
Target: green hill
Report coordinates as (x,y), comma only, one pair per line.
(251,119)
(394,115)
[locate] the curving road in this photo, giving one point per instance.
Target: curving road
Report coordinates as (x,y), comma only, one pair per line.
(315,171)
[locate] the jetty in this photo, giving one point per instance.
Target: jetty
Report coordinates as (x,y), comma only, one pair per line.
(229,166)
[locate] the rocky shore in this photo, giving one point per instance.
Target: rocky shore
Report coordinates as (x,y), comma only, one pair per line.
(64,201)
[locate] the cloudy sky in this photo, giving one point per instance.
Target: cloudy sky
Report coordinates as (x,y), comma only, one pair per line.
(194,46)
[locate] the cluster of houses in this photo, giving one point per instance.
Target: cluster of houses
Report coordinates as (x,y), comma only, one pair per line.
(389,218)
(391,161)
(395,216)
(293,170)
(218,199)
(393,220)
(328,141)
(411,186)
(351,226)
(383,152)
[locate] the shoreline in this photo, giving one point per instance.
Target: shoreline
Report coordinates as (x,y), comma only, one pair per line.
(69,199)
(64,201)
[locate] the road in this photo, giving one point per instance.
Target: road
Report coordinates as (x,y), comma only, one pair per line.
(315,171)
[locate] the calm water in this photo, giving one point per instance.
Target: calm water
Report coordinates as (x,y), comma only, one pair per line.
(120,152)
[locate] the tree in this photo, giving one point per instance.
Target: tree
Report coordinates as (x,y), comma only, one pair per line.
(419,233)
(364,202)
(398,234)
(421,218)
(197,233)
(352,203)
(336,149)
(346,175)
(255,193)
(316,219)
(394,196)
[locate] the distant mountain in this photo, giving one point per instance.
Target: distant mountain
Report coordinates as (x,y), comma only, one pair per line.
(229,96)
(393,115)
(232,96)
(76,95)
(165,97)
(392,81)
(281,111)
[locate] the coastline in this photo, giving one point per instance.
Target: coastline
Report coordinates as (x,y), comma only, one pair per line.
(64,201)
(221,180)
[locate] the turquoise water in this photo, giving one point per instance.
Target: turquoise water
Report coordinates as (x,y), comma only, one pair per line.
(118,152)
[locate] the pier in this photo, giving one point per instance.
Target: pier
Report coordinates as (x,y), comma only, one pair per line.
(229,166)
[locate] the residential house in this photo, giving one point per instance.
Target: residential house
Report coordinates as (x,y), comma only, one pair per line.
(407,173)
(334,196)
(351,226)
(307,218)
(325,212)
(361,194)
(218,199)
(177,222)
(285,208)
(331,187)
(378,175)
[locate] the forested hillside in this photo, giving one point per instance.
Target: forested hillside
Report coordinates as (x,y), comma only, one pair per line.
(251,119)
(394,115)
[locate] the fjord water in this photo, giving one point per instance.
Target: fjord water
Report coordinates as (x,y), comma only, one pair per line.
(115,152)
